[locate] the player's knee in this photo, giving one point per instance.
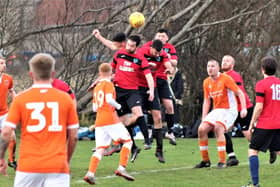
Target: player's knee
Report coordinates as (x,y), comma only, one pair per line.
(137,111)
(252,152)
(169,109)
(156,117)
(201,130)
(98,153)
(128,144)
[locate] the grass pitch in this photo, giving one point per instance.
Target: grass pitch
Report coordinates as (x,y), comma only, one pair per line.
(176,172)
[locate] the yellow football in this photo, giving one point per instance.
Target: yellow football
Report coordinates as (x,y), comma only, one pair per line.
(136,19)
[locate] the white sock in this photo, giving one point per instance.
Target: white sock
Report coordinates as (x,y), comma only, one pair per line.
(121,168)
(90,174)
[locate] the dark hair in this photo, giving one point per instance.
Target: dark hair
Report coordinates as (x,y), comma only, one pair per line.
(157,45)
(163,31)
(269,65)
(135,38)
(119,37)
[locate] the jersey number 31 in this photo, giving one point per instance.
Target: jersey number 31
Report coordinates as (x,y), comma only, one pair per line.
(36,114)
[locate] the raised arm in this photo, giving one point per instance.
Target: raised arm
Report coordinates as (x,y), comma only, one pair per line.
(104,41)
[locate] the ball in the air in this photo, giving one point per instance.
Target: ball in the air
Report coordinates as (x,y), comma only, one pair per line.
(136,19)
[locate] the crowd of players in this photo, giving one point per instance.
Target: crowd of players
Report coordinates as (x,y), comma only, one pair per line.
(134,83)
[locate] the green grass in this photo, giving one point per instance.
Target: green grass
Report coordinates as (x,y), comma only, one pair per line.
(176,172)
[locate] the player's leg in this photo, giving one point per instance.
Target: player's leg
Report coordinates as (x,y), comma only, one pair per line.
(167,101)
(137,111)
(232,160)
(169,113)
(219,130)
(225,118)
(102,141)
(11,147)
(119,134)
(203,131)
(261,141)
(12,151)
(156,114)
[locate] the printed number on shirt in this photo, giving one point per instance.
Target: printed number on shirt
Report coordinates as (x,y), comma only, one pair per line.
(36,114)
(99,98)
(275,91)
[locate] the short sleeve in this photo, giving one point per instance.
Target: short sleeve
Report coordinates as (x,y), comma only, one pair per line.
(114,62)
(205,89)
(259,89)
(230,83)
(145,66)
(173,53)
(73,121)
(11,85)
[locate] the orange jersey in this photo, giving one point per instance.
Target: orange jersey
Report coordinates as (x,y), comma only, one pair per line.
(45,114)
(106,114)
(221,91)
(6,83)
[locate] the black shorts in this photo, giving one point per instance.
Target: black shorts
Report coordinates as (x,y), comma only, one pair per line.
(127,99)
(146,104)
(163,89)
(264,139)
(244,122)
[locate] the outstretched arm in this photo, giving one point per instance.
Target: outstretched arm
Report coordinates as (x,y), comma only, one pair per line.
(104,41)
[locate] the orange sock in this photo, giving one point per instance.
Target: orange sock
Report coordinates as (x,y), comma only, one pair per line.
(221,145)
(124,156)
(11,150)
(94,161)
(203,147)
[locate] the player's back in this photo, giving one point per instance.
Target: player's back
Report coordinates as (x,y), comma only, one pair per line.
(268,93)
(106,114)
(45,113)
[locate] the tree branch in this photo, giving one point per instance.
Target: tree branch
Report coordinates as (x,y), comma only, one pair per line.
(192,21)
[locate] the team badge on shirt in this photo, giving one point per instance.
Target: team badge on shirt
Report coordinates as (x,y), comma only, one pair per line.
(135,60)
(166,50)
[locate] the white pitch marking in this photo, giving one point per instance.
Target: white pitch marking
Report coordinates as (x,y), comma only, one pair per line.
(150,171)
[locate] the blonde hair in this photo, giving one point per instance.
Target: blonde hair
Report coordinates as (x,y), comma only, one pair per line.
(42,65)
(105,68)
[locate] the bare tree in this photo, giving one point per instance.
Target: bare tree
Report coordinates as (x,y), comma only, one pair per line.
(201,29)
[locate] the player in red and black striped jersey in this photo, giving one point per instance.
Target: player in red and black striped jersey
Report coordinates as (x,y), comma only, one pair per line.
(265,122)
(157,59)
(163,36)
(162,84)
(228,63)
(63,86)
(128,64)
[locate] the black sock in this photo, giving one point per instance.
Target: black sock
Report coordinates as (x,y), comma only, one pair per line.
(169,121)
(143,127)
(130,131)
(158,136)
(229,146)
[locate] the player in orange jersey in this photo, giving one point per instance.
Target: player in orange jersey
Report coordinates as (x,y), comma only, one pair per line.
(107,125)
(222,89)
(48,123)
(6,88)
